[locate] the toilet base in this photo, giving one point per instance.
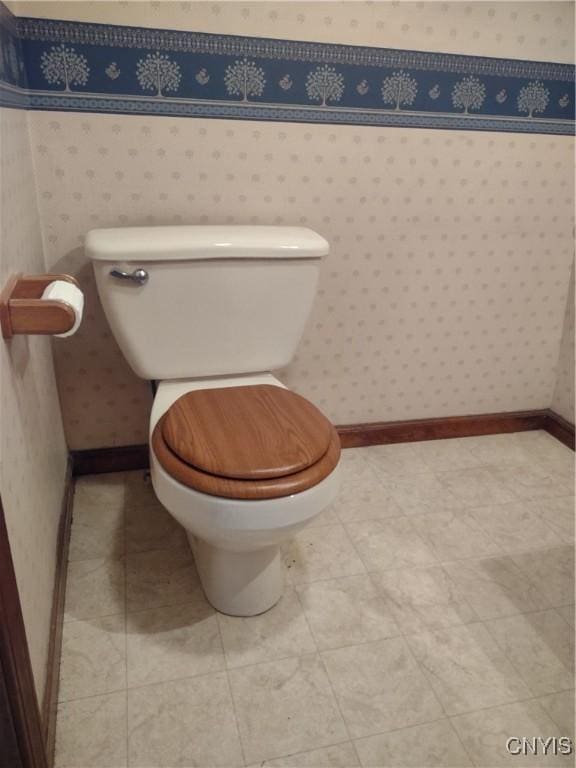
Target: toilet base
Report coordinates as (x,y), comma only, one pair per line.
(239,583)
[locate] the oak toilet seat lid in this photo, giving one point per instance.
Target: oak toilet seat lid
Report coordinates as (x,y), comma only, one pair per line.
(256,432)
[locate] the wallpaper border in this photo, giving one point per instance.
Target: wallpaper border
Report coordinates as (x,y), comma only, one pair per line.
(84,67)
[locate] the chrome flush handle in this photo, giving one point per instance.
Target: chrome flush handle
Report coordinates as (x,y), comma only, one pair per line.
(139,276)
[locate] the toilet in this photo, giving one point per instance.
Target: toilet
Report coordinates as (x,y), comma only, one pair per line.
(238,459)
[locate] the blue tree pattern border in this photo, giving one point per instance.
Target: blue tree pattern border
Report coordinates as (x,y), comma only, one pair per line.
(85,67)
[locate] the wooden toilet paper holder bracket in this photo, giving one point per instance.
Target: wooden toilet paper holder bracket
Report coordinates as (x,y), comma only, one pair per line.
(24,311)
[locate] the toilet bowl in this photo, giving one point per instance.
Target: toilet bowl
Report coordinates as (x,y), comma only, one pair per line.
(236,542)
(240,461)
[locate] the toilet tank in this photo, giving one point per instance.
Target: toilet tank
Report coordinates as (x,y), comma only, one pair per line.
(215,301)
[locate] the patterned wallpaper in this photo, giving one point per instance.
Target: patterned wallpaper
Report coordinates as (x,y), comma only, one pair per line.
(32,448)
(451,251)
(444,292)
(538,31)
(563,402)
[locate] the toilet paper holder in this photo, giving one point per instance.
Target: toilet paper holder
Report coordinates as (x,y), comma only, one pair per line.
(23,311)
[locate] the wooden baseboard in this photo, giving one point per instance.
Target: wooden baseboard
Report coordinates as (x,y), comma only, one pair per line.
(50,700)
(122,458)
(130,457)
(559,428)
(380,433)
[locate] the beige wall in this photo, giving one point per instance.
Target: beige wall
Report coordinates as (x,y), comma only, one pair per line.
(542,31)
(444,292)
(445,288)
(32,449)
(563,402)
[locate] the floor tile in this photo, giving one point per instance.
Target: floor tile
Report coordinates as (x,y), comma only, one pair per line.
(161,577)
(346,611)
(91,733)
(380,687)
(446,455)
(469,587)
(138,490)
(560,707)
(183,723)
(423,598)
(454,535)
(496,587)
(173,643)
(285,707)
(516,527)
(567,613)
(363,497)
(94,588)
(559,514)
(477,487)
(540,646)
(564,468)
(530,482)
(394,461)
(106,491)
(543,447)
(338,756)
(327,517)
(280,632)
(467,669)
(552,569)
(352,461)
(151,527)
(499,450)
(97,531)
(93,657)
(433,745)
(421,494)
(353,457)
(485,734)
(386,544)
(321,553)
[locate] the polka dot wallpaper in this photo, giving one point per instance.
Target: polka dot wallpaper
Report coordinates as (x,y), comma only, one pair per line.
(444,292)
(563,402)
(541,31)
(445,289)
(33,452)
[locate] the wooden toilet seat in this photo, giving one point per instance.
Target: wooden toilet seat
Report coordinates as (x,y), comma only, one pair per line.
(253,442)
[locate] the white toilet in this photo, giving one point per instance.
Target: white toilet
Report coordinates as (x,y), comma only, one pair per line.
(239,460)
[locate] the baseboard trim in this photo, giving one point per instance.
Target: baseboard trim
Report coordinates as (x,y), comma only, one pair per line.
(381,433)
(129,457)
(50,700)
(559,428)
(122,458)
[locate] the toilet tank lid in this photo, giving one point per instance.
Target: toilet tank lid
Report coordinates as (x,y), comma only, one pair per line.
(204,242)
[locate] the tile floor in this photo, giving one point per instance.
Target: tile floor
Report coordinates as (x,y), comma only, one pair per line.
(428,616)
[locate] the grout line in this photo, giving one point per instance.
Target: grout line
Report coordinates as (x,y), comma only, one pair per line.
(532,697)
(519,668)
(225,671)
(235,713)
(300,585)
(307,751)
(401,635)
(319,655)
(466,750)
